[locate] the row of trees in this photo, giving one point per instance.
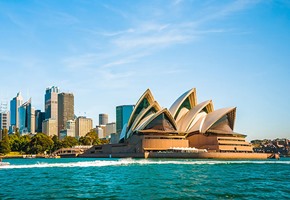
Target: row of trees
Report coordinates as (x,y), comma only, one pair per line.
(40,143)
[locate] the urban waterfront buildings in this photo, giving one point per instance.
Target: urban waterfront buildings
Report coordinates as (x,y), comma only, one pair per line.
(26,118)
(65,109)
(100,130)
(83,126)
(49,127)
(103,119)
(51,102)
(39,118)
(69,131)
(51,111)
(110,129)
(4,116)
(57,119)
(15,103)
(123,114)
(4,120)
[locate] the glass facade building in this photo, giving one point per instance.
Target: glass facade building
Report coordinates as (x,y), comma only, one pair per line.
(15,103)
(26,118)
(51,102)
(39,118)
(123,114)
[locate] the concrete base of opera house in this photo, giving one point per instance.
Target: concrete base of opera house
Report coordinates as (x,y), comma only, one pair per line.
(198,155)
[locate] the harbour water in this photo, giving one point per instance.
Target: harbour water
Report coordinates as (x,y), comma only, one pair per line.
(144,179)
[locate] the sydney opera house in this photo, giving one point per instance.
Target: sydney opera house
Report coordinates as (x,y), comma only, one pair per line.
(188,129)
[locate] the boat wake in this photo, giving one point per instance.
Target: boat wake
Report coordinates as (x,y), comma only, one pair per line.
(130,161)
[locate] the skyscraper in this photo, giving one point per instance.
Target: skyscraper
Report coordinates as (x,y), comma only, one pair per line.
(15,103)
(51,102)
(65,109)
(103,119)
(4,116)
(39,118)
(26,118)
(122,116)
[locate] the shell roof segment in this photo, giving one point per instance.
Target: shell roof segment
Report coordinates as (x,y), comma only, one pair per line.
(186,121)
(152,109)
(162,121)
(187,100)
(214,117)
(145,101)
(185,116)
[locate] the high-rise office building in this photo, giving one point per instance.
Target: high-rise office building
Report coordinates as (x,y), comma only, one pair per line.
(26,118)
(15,103)
(123,114)
(3,106)
(83,126)
(39,118)
(65,109)
(4,120)
(4,116)
(103,119)
(49,127)
(51,102)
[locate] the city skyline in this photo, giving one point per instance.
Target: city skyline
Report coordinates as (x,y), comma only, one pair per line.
(107,53)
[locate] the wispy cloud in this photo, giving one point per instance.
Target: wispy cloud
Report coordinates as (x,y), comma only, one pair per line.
(117,11)
(125,60)
(58,17)
(218,12)
(142,38)
(82,61)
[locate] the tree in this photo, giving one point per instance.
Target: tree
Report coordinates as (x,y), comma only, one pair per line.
(40,143)
(24,143)
(69,142)
(92,136)
(4,144)
(56,143)
(14,142)
(85,140)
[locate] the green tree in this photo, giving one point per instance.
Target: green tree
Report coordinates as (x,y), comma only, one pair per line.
(92,136)
(40,143)
(14,141)
(56,143)
(85,140)
(4,144)
(69,142)
(24,143)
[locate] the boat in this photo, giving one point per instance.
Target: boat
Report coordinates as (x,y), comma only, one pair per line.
(29,156)
(4,163)
(274,156)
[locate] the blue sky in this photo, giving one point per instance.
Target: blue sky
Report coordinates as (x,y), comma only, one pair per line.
(107,53)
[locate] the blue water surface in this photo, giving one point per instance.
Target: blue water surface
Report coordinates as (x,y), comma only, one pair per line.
(83,178)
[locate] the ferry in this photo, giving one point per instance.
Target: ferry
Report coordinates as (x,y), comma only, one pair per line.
(3,163)
(29,156)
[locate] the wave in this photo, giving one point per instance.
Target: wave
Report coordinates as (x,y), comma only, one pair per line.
(130,161)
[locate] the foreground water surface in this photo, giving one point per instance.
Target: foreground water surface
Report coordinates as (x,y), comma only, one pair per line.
(80,178)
